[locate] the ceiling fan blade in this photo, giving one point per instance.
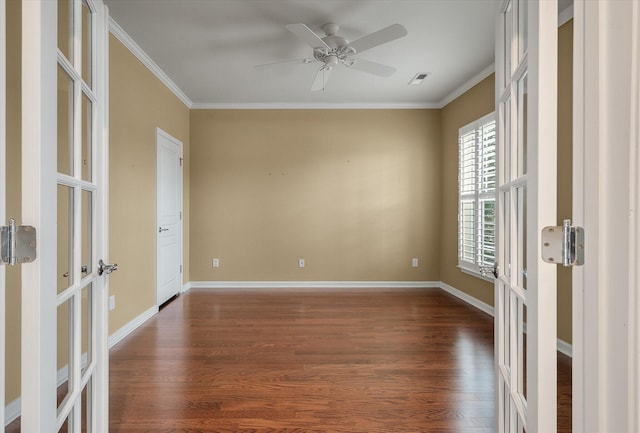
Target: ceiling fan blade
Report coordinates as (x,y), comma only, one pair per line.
(380,37)
(322,77)
(298,61)
(307,35)
(373,67)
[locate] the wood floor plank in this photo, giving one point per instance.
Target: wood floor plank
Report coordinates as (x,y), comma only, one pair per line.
(397,360)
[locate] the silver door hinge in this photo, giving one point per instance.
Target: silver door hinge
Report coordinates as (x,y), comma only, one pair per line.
(181,215)
(180,162)
(563,245)
(17,244)
(180,268)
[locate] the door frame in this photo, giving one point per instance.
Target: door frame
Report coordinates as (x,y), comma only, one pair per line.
(3,199)
(606,290)
(161,133)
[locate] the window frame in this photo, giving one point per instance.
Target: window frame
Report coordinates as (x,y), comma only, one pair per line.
(479,194)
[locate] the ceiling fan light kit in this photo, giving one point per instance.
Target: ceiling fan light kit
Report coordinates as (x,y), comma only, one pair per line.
(333,50)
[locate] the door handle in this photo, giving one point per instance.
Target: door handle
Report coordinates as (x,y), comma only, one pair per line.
(160,230)
(106,268)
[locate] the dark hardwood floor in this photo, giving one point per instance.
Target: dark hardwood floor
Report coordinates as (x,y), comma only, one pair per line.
(415,360)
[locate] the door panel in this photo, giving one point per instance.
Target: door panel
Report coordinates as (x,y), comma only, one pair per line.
(3,202)
(526,97)
(169,208)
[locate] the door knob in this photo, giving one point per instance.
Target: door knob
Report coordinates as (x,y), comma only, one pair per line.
(106,268)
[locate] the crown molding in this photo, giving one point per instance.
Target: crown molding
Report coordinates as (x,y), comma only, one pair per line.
(135,49)
(461,90)
(312,106)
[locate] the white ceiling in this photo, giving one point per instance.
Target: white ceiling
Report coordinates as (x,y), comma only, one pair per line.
(209,48)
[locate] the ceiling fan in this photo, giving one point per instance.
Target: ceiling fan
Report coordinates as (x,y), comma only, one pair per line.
(333,50)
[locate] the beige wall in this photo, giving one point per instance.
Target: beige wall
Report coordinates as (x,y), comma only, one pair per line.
(565,162)
(475,103)
(353,192)
(139,103)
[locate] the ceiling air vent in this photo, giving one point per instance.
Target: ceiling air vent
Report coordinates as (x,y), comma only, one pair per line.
(420,76)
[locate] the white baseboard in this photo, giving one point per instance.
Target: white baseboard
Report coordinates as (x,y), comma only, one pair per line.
(562,346)
(12,411)
(185,287)
(565,348)
(127,329)
(467,298)
(284,285)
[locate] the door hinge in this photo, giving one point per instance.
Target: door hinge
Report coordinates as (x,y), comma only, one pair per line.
(17,244)
(181,215)
(563,245)
(180,162)
(180,268)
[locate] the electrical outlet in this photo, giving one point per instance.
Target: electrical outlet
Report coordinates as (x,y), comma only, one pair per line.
(301,263)
(112,302)
(216,263)
(414,263)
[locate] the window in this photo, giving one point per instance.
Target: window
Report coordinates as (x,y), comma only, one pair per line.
(476,199)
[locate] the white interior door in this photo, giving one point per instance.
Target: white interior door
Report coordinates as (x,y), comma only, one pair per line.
(525,290)
(64,317)
(168,217)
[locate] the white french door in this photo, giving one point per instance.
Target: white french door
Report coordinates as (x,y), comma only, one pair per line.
(525,289)
(64,317)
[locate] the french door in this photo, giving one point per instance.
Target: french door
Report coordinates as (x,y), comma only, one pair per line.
(525,288)
(3,199)
(64,317)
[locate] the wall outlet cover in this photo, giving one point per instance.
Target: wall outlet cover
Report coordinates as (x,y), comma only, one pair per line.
(301,263)
(414,262)
(216,263)
(112,302)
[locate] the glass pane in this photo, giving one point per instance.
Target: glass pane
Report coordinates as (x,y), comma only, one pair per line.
(86,234)
(65,122)
(522,122)
(508,38)
(505,264)
(65,28)
(64,348)
(522,237)
(86,44)
(487,232)
(505,145)
(523,30)
(507,326)
(87,138)
(85,326)
(86,408)
(66,426)
(522,353)
(65,237)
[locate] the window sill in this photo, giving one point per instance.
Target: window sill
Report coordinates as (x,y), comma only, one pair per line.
(476,274)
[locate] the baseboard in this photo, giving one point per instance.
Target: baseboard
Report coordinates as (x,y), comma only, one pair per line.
(284,285)
(565,348)
(185,287)
(562,346)
(12,411)
(467,298)
(127,329)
